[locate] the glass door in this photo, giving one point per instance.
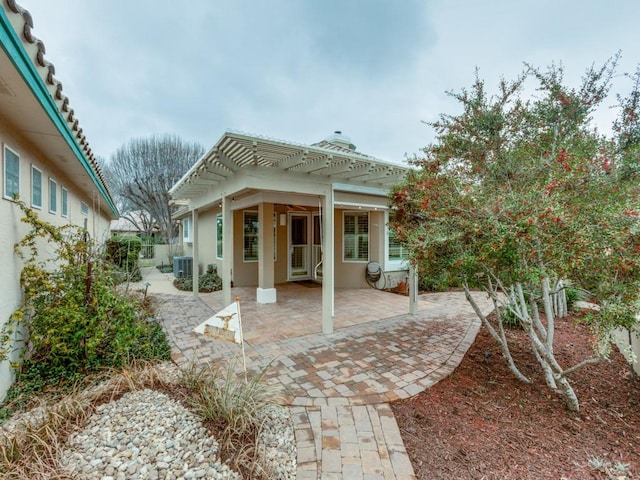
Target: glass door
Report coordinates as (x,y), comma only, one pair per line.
(299,251)
(316,254)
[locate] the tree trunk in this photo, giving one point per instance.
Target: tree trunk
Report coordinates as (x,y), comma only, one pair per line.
(500,338)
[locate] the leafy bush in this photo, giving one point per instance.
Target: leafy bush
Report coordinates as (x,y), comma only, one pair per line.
(165,268)
(124,251)
(72,321)
(209,282)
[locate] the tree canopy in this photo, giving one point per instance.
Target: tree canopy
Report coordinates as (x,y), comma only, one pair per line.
(142,171)
(520,191)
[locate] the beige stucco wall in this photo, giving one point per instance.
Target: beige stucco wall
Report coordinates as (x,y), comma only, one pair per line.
(347,274)
(13,229)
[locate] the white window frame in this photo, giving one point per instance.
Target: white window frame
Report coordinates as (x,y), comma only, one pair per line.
(84,208)
(64,202)
(393,264)
(344,243)
(219,236)
(4,173)
(244,237)
(53,196)
(34,204)
(186,230)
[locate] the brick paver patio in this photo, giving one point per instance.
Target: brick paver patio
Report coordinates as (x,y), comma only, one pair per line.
(338,385)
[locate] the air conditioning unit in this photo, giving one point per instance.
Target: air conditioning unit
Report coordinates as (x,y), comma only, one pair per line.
(182,266)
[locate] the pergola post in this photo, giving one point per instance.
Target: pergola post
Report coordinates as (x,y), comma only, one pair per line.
(227,249)
(328,243)
(195,271)
(413,289)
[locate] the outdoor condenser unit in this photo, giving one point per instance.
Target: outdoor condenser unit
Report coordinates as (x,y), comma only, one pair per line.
(182,266)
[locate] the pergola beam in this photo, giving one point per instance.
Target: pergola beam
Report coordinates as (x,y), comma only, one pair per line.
(293,160)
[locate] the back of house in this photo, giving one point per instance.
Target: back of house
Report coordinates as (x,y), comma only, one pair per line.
(46,159)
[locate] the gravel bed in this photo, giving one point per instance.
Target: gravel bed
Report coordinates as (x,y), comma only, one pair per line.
(146,435)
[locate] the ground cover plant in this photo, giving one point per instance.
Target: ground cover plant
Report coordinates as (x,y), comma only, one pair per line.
(209,282)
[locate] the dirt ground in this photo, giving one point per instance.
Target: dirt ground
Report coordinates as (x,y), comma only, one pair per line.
(482,423)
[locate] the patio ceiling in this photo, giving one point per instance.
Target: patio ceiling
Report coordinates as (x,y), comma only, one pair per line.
(235,151)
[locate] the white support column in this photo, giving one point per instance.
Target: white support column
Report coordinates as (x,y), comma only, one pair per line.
(195,270)
(266,293)
(413,289)
(227,249)
(327,263)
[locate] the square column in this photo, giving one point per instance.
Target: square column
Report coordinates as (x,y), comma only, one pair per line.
(227,249)
(195,271)
(328,243)
(266,292)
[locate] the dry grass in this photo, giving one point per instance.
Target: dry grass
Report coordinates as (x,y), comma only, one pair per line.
(230,406)
(31,445)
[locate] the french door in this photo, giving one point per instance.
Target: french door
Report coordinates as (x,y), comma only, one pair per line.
(299,246)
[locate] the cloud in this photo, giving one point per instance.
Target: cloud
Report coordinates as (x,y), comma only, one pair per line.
(299,70)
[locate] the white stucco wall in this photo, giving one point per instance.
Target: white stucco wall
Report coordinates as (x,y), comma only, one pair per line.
(12,229)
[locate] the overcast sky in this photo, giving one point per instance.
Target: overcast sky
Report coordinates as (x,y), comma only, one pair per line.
(299,69)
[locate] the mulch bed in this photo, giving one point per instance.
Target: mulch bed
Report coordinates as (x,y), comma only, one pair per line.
(482,423)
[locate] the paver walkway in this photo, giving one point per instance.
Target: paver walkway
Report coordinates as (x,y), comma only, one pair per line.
(339,386)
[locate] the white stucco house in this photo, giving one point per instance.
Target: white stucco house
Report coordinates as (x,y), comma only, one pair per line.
(46,159)
(267,211)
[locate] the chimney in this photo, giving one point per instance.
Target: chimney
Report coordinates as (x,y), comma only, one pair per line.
(341,140)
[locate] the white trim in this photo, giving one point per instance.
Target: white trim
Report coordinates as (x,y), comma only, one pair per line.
(64,202)
(244,260)
(266,295)
(345,187)
(368,206)
(53,206)
(219,242)
(188,237)
(357,212)
(84,208)
(392,265)
(309,245)
(33,204)
(4,171)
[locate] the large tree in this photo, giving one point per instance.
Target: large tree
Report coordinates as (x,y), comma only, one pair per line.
(519,194)
(142,171)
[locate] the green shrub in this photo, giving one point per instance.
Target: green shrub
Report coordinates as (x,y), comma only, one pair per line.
(165,268)
(72,319)
(209,282)
(124,251)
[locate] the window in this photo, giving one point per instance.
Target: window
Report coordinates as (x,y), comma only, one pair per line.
(65,202)
(219,237)
(84,208)
(356,237)
(36,187)
(396,251)
(11,173)
(53,196)
(250,227)
(186,230)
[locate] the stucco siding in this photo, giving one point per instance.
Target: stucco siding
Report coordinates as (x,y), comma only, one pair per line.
(13,229)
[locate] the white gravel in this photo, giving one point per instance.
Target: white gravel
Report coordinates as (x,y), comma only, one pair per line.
(146,435)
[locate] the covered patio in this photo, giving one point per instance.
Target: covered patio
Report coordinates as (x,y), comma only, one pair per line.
(267,214)
(299,309)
